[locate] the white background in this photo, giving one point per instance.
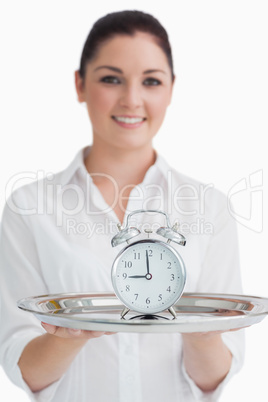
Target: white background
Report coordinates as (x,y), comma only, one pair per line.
(214,131)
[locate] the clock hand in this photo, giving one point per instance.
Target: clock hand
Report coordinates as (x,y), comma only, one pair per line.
(147,276)
(137,276)
(147,262)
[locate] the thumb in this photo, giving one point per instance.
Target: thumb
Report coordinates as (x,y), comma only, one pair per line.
(51,329)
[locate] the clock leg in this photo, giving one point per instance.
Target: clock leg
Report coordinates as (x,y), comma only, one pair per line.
(172,312)
(124,312)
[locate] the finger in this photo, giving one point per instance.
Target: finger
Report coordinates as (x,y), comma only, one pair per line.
(211,333)
(92,334)
(58,331)
(70,332)
(76,333)
(51,329)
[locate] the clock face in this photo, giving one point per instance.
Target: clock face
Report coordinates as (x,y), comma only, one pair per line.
(148,276)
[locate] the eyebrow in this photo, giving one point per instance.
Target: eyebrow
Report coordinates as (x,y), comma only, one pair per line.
(115,69)
(118,70)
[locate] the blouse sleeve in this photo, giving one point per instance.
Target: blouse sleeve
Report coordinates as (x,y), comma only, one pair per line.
(220,273)
(20,277)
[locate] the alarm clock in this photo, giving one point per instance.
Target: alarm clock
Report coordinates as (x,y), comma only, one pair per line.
(148,275)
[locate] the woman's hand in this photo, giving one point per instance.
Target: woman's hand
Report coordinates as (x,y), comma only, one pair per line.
(69,333)
(209,334)
(46,358)
(207,359)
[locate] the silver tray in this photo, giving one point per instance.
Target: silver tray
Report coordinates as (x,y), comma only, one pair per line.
(196,312)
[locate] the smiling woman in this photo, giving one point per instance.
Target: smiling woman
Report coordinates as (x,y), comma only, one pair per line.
(126,80)
(127,88)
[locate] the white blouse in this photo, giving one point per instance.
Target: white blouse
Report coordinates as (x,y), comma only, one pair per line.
(56,237)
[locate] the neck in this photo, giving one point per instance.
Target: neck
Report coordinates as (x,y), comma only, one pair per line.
(124,166)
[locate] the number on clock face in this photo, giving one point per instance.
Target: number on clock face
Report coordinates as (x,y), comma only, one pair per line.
(148,276)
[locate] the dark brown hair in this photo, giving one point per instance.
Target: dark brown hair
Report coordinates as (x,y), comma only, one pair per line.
(124,23)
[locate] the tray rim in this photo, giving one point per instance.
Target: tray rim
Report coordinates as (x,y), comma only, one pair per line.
(107,294)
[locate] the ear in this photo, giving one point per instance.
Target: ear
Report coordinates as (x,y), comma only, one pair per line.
(79,85)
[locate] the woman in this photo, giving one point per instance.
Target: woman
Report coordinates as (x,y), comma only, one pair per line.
(126,80)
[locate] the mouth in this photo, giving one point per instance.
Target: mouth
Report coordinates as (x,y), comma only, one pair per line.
(129,121)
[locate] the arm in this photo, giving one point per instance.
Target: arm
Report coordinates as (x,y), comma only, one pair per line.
(26,353)
(207,359)
(46,358)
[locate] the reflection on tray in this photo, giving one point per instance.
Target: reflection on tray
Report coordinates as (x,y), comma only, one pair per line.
(195,312)
(148,317)
(187,305)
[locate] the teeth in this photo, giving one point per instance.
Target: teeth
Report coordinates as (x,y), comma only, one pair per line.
(129,120)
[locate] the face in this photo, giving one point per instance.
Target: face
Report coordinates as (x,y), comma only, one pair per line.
(127,89)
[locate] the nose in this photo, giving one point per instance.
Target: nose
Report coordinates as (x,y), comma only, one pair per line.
(131,97)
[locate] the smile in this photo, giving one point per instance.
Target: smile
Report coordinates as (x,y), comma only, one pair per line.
(128,120)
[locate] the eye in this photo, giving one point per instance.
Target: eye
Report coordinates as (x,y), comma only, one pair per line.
(110,79)
(151,82)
